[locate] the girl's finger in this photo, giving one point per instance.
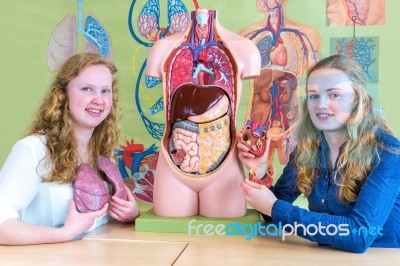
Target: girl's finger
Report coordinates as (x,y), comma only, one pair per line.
(253,184)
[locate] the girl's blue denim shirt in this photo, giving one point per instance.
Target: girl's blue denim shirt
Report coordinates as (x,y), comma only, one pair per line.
(372,221)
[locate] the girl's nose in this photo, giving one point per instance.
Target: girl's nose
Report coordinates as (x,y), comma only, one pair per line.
(322,102)
(98,98)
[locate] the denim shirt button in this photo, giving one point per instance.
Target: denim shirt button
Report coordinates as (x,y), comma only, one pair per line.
(323,200)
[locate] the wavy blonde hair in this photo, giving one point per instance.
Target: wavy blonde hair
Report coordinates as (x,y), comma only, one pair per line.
(361,148)
(53,120)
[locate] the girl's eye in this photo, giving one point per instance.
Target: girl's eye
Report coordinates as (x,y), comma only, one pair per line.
(106,91)
(334,95)
(86,89)
(313,96)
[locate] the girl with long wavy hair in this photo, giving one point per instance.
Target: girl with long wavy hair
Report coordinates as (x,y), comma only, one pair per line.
(346,162)
(76,123)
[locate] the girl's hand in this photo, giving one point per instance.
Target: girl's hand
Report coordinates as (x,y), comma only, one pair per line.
(77,222)
(259,196)
(259,164)
(124,210)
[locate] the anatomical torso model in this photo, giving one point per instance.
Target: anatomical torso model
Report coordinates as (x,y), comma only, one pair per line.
(198,170)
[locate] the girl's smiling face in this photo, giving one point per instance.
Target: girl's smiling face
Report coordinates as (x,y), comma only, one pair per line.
(330,99)
(90,97)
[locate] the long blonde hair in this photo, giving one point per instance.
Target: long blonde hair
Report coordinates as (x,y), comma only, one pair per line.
(53,120)
(361,148)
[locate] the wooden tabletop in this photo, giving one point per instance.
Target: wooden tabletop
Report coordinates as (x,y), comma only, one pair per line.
(98,252)
(260,250)
(119,244)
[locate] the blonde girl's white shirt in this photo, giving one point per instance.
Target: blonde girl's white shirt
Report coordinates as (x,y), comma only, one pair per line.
(23,195)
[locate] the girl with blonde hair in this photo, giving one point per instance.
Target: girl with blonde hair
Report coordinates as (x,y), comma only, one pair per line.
(76,123)
(345,162)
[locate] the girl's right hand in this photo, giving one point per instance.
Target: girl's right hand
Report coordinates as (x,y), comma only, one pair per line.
(259,164)
(77,222)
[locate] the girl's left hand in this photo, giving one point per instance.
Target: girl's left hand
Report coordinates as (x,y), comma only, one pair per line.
(258,196)
(124,210)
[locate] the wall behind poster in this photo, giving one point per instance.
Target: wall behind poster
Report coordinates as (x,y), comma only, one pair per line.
(26,27)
